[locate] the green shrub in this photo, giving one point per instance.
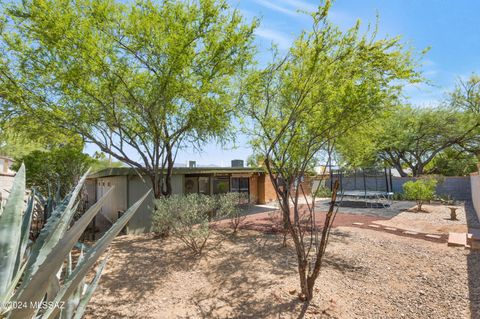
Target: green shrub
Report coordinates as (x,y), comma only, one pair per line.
(185,218)
(234,207)
(188,218)
(323,192)
(31,273)
(420,190)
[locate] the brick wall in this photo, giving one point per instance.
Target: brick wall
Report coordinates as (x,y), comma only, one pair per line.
(266,192)
(253,183)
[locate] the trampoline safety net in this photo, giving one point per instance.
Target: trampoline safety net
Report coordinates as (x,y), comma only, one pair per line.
(371,185)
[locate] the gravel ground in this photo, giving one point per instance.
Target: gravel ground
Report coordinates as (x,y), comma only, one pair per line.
(366,274)
(435,220)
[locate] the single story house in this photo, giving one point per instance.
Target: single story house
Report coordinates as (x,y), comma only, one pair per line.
(130,186)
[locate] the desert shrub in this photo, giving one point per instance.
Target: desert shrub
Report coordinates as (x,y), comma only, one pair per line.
(420,190)
(323,191)
(185,218)
(234,207)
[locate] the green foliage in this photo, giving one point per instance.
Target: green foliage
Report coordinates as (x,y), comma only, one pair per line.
(61,165)
(233,206)
(186,218)
(453,162)
(140,80)
(100,161)
(329,82)
(323,191)
(420,190)
(421,139)
(16,145)
(31,273)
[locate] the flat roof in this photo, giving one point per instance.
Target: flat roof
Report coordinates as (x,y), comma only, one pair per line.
(122,171)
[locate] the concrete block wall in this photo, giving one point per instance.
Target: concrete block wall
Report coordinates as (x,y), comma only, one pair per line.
(458,188)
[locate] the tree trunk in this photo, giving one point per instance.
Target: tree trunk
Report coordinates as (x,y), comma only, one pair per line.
(168,176)
(302,273)
(419,206)
(418,169)
(156,185)
(400,170)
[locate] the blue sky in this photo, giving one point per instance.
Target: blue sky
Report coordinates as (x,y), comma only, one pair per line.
(450,28)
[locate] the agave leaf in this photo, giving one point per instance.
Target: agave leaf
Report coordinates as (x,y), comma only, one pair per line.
(26,223)
(10,232)
(33,288)
(54,230)
(53,288)
(91,257)
(13,284)
(90,290)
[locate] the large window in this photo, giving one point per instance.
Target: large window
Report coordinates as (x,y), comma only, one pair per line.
(240,184)
(204,185)
(221,185)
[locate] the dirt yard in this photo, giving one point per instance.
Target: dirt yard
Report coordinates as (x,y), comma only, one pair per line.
(434,219)
(367,274)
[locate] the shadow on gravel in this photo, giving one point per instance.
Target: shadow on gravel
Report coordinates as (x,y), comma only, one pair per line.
(473,266)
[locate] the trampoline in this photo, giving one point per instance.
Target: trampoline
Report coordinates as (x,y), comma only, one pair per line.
(373,186)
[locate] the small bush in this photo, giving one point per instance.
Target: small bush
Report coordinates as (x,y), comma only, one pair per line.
(233,206)
(323,192)
(186,218)
(420,191)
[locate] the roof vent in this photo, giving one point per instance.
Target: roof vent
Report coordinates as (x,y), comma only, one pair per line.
(192,164)
(237,163)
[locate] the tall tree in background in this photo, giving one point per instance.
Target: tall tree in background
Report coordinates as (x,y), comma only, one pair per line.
(140,81)
(329,82)
(466,98)
(422,140)
(59,167)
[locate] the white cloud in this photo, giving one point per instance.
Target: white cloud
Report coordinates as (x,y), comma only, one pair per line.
(281,39)
(289,7)
(302,5)
(270,5)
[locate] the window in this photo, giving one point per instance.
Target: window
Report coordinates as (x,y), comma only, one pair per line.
(191,185)
(221,185)
(240,184)
(204,185)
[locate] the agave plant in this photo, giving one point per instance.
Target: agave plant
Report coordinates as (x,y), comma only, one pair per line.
(32,283)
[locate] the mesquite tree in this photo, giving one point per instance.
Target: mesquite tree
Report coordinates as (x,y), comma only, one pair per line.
(138,79)
(327,83)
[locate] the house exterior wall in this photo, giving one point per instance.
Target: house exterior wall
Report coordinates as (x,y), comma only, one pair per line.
(6,183)
(475,187)
(266,192)
(141,222)
(253,185)
(117,201)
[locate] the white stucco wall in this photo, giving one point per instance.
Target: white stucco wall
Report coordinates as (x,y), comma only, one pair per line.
(116,201)
(6,182)
(475,180)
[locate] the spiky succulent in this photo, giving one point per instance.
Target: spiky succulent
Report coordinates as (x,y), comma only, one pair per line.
(32,283)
